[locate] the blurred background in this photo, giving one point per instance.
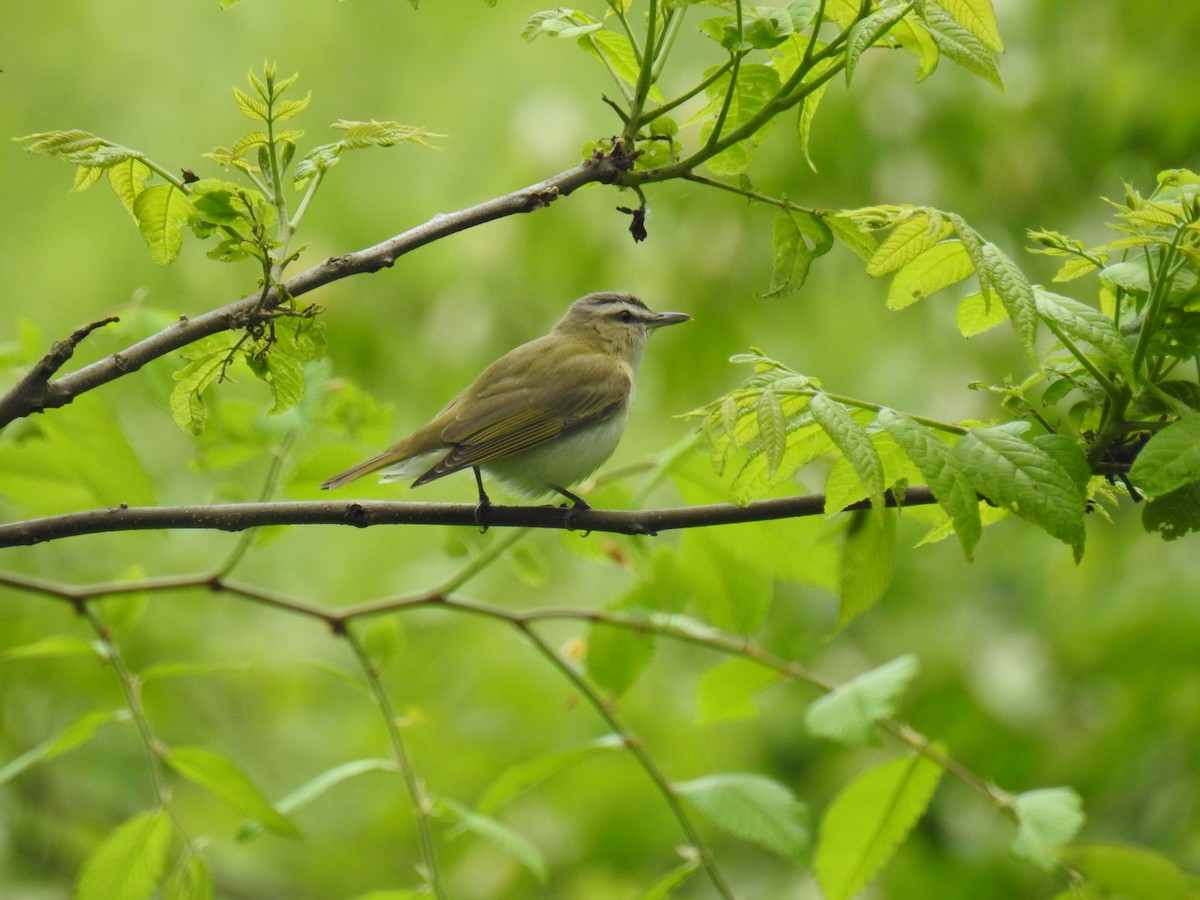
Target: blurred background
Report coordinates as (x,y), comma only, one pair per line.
(1035,671)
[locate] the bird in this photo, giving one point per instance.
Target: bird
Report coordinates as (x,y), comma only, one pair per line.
(544,416)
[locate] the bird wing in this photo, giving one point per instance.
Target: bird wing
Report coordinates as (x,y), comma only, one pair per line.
(515,412)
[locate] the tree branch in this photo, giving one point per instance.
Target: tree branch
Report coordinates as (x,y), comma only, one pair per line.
(367,513)
(36,392)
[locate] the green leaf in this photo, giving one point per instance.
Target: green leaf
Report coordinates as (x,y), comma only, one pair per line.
(1085,323)
(1015,293)
(724,591)
(798,237)
(1046,819)
(617,656)
(727,690)
(51,645)
(868,820)
(382,639)
(190,881)
(225,780)
(979,18)
(942,470)
(559,23)
(129,863)
(978,313)
(76,734)
(317,788)
(1131,873)
(128,179)
(868,555)
(942,265)
(849,713)
(1170,460)
(501,836)
(161,212)
(751,807)
(615,51)
(666,886)
(853,441)
(529,773)
(960,45)
(917,41)
(866,33)
(1024,479)
(907,241)
(756,85)
(772,428)
(1175,514)
(804,121)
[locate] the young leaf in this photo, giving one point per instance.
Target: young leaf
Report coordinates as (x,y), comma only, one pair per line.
(128,179)
(617,54)
(917,41)
(1025,479)
(1046,819)
(978,313)
(529,773)
(943,471)
(798,237)
(941,266)
(772,428)
(850,712)
(853,441)
(76,734)
(51,645)
(190,881)
(753,808)
(1132,873)
(501,836)
(1085,323)
(617,656)
(665,887)
(129,863)
(316,788)
(979,18)
(727,690)
(225,780)
(866,33)
(868,554)
(161,212)
(869,819)
(756,84)
(908,240)
(1170,460)
(960,45)
(1010,283)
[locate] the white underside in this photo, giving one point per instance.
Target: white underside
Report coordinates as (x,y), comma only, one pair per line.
(562,462)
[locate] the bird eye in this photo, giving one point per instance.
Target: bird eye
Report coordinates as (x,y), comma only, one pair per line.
(625,316)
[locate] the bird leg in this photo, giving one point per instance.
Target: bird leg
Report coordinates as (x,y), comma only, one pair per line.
(485,503)
(578,505)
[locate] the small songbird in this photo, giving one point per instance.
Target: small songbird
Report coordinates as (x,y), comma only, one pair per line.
(541,418)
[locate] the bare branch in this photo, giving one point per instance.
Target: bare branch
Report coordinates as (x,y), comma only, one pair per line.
(367,513)
(35,392)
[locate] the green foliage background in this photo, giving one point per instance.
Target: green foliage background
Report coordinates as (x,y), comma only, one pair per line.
(1034,671)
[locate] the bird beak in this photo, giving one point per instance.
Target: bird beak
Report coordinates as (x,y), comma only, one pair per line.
(669,318)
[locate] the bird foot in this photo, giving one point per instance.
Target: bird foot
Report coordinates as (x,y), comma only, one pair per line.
(483,512)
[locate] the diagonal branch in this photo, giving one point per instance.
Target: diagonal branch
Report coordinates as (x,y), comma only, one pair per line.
(36,392)
(367,513)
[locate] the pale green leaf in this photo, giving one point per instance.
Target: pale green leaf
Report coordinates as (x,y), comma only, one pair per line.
(725,592)
(1085,323)
(666,886)
(772,429)
(1170,460)
(529,773)
(1010,283)
(615,51)
(190,881)
(979,18)
(1128,872)
(804,122)
(906,242)
(756,85)
(225,780)
(853,441)
(960,45)
(51,645)
(752,807)
(917,41)
(128,179)
(868,554)
(1025,479)
(617,656)
(727,690)
(943,472)
(868,820)
(942,265)
(798,238)
(1046,819)
(77,733)
(161,212)
(978,313)
(317,788)
(866,32)
(507,840)
(849,713)
(129,863)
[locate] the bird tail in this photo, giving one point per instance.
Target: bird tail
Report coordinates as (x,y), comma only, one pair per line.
(382,460)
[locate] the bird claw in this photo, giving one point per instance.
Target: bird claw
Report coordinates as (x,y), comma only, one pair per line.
(483,513)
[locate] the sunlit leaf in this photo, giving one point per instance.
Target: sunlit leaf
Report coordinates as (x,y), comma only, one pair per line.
(129,863)
(978,313)
(727,690)
(1010,283)
(867,31)
(853,441)
(225,780)
(1046,819)
(907,241)
(979,18)
(942,265)
(869,819)
(752,807)
(961,45)
(161,212)
(849,713)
